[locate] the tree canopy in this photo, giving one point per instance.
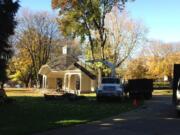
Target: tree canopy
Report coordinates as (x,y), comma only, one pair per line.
(155,61)
(86,19)
(36,36)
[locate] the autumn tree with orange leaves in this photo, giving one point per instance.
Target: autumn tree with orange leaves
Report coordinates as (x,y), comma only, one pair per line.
(155,61)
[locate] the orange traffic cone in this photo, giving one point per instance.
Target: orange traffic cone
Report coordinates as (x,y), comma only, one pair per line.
(135,103)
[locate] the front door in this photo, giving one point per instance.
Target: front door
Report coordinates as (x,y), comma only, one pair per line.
(59,84)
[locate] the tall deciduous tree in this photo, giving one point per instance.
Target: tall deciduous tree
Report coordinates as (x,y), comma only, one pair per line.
(86,19)
(37,33)
(124,35)
(8,9)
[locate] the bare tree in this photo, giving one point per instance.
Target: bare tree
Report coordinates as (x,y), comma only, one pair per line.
(37,33)
(124,36)
(158,49)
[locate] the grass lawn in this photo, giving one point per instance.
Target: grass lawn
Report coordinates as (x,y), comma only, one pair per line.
(167,92)
(31,113)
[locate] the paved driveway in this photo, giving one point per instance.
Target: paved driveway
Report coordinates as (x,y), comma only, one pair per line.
(156,117)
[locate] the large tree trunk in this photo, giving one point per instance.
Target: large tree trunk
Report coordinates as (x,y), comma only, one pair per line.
(39,81)
(2,85)
(99,77)
(26,84)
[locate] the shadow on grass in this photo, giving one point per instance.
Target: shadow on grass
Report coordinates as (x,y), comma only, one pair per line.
(157,117)
(27,114)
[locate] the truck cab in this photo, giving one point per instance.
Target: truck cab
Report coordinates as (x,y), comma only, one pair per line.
(110,87)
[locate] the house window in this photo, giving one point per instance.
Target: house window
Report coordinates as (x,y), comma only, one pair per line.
(64,50)
(78,84)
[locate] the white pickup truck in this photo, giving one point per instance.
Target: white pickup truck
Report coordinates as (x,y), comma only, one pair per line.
(110,87)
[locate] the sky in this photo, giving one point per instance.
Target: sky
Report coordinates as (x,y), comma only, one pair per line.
(161,17)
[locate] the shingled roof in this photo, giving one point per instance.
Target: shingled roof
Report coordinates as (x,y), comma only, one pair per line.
(64,62)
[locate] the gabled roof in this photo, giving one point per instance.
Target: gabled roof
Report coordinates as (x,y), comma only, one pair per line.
(63,62)
(44,70)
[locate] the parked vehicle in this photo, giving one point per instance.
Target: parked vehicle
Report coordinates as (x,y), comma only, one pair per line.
(178,95)
(110,87)
(176,87)
(140,88)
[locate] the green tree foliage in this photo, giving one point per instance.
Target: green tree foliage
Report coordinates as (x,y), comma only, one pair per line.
(86,19)
(21,68)
(8,9)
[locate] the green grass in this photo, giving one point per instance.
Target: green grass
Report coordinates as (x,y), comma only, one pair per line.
(167,92)
(161,84)
(30,114)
